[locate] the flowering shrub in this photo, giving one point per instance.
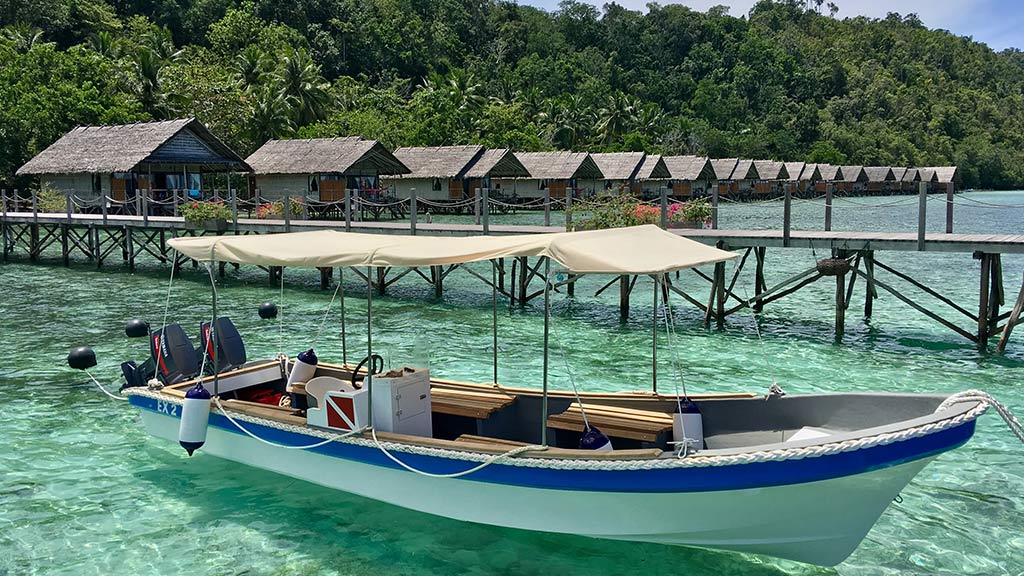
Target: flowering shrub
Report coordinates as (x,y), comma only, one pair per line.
(621,211)
(197,213)
(271,209)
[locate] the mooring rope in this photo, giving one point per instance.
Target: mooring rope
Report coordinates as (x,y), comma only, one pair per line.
(216,400)
(987,399)
(167,303)
(510,454)
(323,322)
(104,390)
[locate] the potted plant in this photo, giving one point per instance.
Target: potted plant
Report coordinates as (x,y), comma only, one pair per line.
(213,216)
(275,210)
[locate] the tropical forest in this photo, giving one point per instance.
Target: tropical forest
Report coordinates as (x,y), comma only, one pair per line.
(791,80)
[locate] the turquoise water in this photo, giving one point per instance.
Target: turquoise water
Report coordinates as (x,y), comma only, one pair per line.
(83,490)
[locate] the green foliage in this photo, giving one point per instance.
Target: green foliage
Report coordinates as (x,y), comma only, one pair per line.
(622,210)
(786,82)
(198,213)
(51,200)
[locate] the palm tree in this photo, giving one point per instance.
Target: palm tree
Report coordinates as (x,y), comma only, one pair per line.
(302,83)
(614,118)
(105,44)
(250,67)
(649,119)
(23,37)
(272,118)
(148,87)
(161,43)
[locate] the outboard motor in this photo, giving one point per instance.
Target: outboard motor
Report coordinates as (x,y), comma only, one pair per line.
(230,348)
(594,439)
(135,374)
(174,355)
(195,417)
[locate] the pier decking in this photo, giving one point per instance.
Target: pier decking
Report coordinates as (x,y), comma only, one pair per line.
(97,236)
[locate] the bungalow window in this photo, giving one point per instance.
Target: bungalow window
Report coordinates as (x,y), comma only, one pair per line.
(362,182)
(436,185)
(542,184)
(97,183)
(314,184)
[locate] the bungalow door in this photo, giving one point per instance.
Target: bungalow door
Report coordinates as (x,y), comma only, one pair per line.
(117,189)
(332,190)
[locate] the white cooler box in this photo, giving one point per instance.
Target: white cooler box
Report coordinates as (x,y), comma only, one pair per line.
(401,403)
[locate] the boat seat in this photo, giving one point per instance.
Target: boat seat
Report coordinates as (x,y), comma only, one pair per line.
(614,421)
(173,354)
(317,387)
(488,440)
(230,348)
(479,404)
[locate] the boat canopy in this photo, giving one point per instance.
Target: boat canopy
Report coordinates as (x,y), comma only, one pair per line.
(633,250)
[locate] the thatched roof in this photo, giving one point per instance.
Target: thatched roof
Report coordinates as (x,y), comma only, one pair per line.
(689,168)
(744,170)
(828,172)
(560,165)
(853,174)
(810,173)
(794,170)
(438,161)
(653,168)
(346,155)
(943,173)
(618,165)
(497,163)
(122,148)
(771,170)
(723,167)
(879,174)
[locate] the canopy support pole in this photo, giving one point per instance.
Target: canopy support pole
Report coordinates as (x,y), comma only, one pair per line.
(494,315)
(654,337)
(213,330)
(369,347)
(547,334)
(344,338)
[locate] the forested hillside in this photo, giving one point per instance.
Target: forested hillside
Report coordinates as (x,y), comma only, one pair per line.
(784,82)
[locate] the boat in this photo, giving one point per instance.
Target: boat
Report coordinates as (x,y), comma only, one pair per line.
(801,477)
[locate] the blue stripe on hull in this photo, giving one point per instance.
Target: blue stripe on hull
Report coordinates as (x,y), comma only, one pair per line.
(718,478)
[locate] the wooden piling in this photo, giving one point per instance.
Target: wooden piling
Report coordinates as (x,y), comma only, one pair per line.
(983,296)
(922,214)
(787,217)
(382,282)
(949,207)
(840,299)
(1012,320)
(438,278)
(869,281)
(828,206)
(623,298)
(325,277)
(759,283)
(720,290)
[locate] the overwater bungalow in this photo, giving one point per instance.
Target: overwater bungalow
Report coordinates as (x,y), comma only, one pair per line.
(881,179)
(653,176)
(454,173)
(690,175)
(321,169)
(743,179)
(802,177)
(853,180)
(622,172)
(829,175)
(940,178)
(554,172)
(724,168)
(116,162)
(770,177)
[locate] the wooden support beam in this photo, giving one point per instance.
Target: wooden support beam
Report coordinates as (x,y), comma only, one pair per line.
(931,292)
(524,279)
(840,306)
(759,284)
(325,277)
(921,309)
(1012,320)
(624,290)
(853,280)
(720,285)
(869,280)
(438,281)
(64,247)
(690,299)
(983,296)
(382,285)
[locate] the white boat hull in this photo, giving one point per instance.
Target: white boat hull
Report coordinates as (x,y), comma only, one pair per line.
(818,522)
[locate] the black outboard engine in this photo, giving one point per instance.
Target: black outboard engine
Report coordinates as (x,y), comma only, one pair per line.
(173,354)
(230,348)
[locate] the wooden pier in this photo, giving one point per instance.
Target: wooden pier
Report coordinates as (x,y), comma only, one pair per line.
(851,256)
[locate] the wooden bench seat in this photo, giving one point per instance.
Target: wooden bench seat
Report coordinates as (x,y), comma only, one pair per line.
(614,421)
(478,404)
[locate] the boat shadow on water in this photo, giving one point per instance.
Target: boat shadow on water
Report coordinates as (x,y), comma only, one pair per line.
(324,529)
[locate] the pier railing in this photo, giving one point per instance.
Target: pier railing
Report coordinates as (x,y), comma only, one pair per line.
(483,205)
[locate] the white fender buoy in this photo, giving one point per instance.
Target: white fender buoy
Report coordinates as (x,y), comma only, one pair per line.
(195,415)
(303,369)
(688,425)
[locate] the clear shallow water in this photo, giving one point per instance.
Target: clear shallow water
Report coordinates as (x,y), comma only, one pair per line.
(83,490)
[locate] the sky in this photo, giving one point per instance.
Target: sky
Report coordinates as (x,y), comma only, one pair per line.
(998,23)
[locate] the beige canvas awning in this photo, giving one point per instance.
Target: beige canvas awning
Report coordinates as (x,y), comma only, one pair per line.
(634,250)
